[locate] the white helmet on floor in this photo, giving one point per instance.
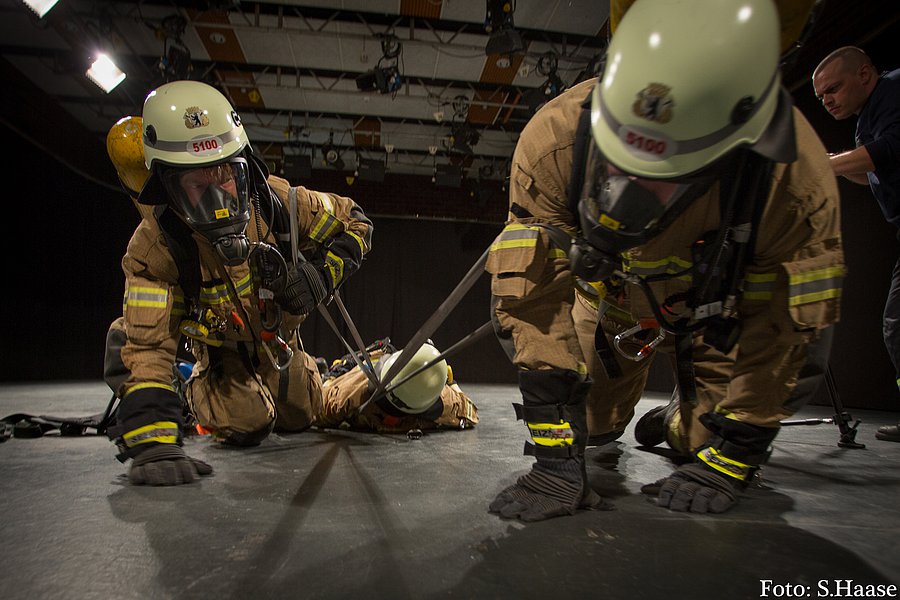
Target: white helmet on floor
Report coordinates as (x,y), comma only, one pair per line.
(418,394)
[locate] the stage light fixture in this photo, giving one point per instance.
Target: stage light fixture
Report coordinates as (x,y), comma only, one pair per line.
(384,80)
(498,22)
(104,72)
(40,7)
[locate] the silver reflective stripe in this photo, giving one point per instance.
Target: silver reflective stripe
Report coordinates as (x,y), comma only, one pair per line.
(181,145)
(516,236)
(147,297)
(821,284)
(759,286)
(669,265)
(700,143)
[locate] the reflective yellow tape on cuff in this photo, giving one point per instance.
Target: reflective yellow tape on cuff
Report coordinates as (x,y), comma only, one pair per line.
(335,266)
(359,240)
(551,434)
(324,228)
(162,432)
(142,386)
(728,466)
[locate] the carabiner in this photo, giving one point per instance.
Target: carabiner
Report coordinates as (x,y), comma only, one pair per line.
(284,350)
(645,351)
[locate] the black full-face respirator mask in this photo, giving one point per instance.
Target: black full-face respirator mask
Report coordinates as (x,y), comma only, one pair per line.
(618,212)
(215,202)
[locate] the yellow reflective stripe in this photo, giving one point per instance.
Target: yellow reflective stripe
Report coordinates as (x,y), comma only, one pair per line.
(759,286)
(670,265)
(557,253)
(513,244)
(470,409)
(162,432)
(516,236)
(218,294)
(326,202)
(359,240)
(148,297)
(142,386)
(178,305)
(213,294)
(335,266)
(324,228)
(813,286)
(551,434)
(244,285)
(721,463)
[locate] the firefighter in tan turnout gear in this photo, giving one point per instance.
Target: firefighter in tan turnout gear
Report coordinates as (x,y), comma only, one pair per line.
(678,204)
(430,400)
(215,264)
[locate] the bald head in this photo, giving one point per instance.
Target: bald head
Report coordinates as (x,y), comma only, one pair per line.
(848,58)
(844,80)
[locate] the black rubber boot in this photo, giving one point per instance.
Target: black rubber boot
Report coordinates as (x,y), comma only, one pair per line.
(651,428)
(888,433)
(554,410)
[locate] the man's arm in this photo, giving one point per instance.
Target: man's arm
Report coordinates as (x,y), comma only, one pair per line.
(853,165)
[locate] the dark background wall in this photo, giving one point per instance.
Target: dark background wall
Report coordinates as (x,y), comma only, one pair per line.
(66,233)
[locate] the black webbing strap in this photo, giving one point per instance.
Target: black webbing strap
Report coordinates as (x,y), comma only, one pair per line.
(183,248)
(579,156)
(549,451)
(479,333)
(605,352)
(433,322)
(361,356)
(687,384)
(547,413)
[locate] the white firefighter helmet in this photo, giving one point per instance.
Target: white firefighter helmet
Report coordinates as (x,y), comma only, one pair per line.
(189,123)
(686,82)
(418,394)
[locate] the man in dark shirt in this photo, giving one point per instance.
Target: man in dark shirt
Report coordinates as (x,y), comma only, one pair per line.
(847,84)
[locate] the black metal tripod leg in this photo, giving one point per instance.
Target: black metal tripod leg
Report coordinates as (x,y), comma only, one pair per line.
(841,417)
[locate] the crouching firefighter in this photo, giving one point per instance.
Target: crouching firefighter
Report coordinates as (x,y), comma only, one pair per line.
(232,260)
(679,204)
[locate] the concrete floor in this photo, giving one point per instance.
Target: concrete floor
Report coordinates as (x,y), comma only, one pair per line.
(334,514)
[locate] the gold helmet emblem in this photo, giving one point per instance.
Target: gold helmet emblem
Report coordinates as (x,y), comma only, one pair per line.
(194,117)
(654,103)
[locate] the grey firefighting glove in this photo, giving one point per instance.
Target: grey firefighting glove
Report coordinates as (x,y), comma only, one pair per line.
(166,464)
(306,287)
(553,409)
(694,488)
(541,494)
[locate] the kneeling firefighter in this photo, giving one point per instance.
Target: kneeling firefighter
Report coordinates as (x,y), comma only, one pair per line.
(233,259)
(694,211)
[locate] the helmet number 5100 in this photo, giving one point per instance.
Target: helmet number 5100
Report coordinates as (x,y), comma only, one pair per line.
(645,146)
(206,146)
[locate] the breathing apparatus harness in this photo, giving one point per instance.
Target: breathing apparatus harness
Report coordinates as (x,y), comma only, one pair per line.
(268,268)
(719,261)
